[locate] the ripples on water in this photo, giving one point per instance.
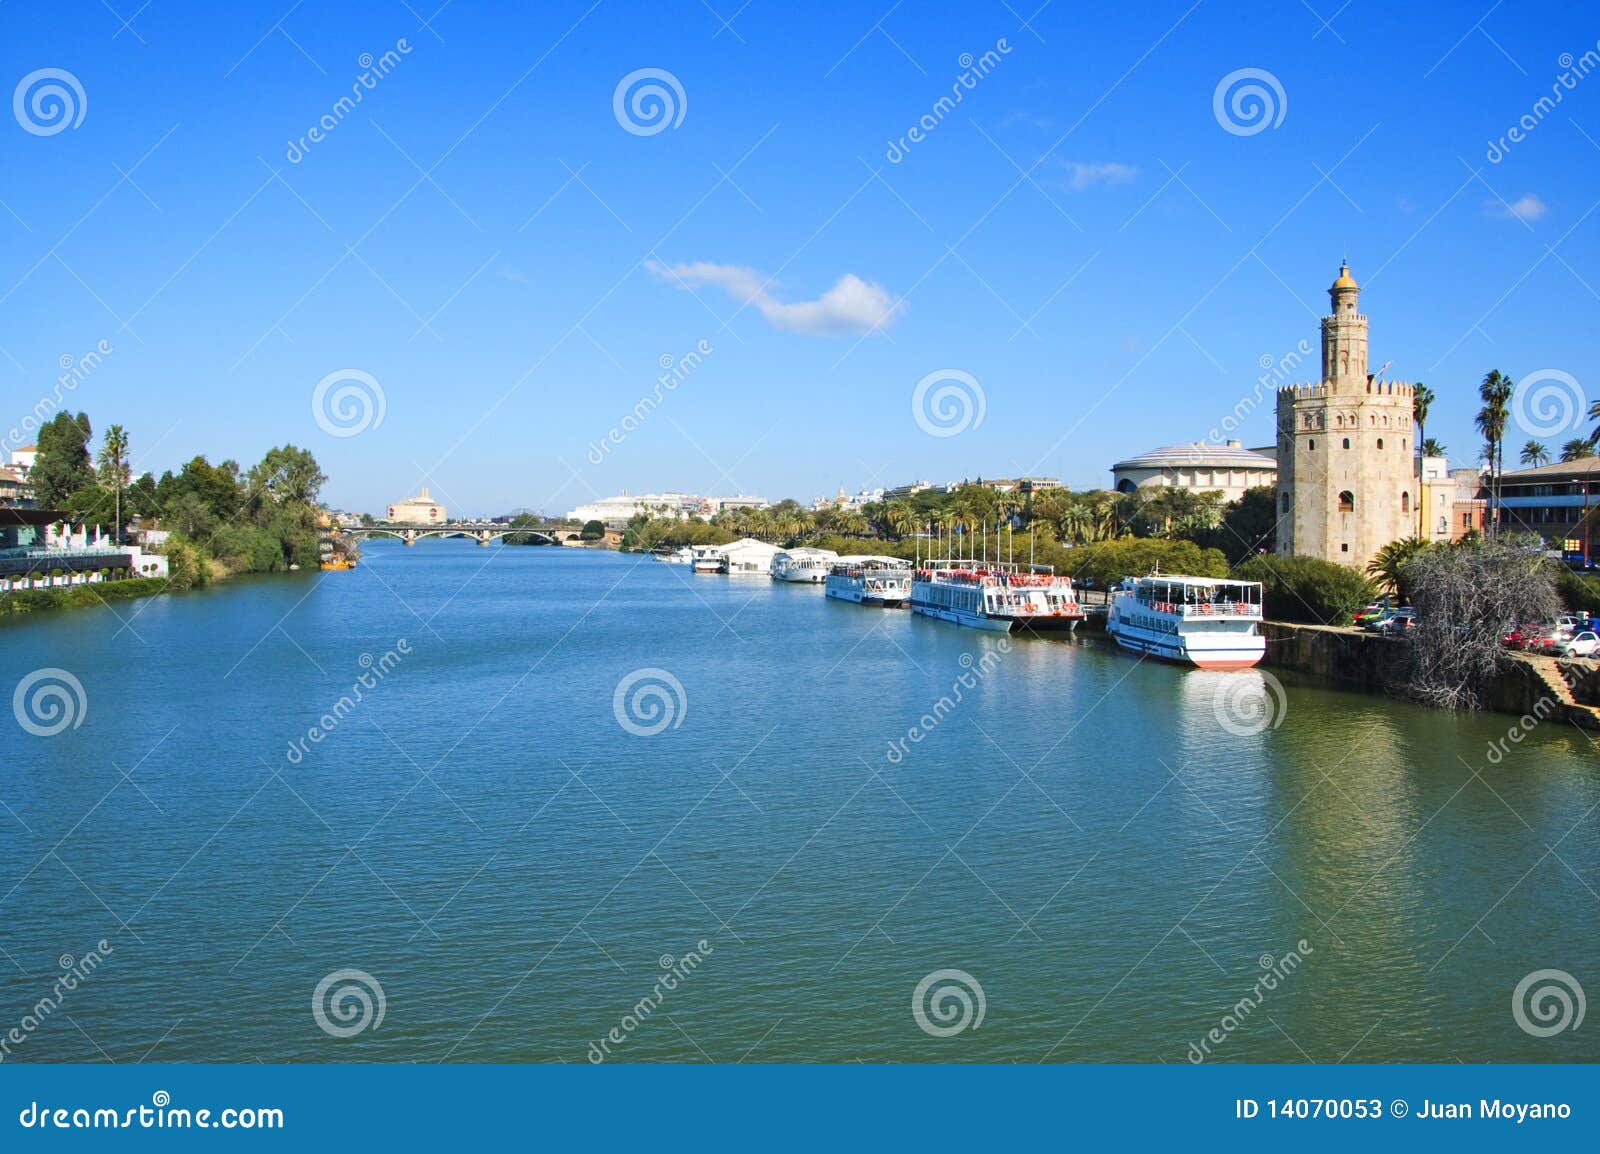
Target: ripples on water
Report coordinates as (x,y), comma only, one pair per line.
(1079,834)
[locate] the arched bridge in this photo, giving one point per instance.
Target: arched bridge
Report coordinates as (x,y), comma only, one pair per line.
(480,531)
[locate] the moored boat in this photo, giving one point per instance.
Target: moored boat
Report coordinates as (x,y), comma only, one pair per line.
(683,556)
(803,566)
(1207,622)
(868,580)
(997,596)
(709,559)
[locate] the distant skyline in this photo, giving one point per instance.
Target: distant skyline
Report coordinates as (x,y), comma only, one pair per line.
(538,256)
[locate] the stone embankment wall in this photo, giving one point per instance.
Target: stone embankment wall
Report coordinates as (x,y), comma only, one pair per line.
(1350,657)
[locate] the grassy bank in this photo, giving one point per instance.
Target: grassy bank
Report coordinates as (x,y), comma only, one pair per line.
(23,601)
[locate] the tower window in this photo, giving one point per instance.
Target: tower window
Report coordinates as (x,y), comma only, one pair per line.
(1347,442)
(1345,547)
(1405,499)
(1312,443)
(1380,442)
(1347,502)
(1286,501)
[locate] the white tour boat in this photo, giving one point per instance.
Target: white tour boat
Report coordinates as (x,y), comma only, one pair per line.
(995,595)
(867,580)
(709,559)
(683,556)
(1206,622)
(804,566)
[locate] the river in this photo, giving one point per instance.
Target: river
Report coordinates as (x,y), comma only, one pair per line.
(751,853)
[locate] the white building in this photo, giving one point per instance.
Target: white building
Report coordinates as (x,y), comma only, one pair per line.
(22,459)
(615,511)
(1202,466)
(747,555)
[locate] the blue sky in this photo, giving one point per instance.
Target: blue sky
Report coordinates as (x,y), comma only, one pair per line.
(1080,235)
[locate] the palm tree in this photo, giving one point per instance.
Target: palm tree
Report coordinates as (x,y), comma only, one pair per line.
(1576,450)
(114,468)
(1432,448)
(1421,401)
(1495,392)
(1535,454)
(1388,567)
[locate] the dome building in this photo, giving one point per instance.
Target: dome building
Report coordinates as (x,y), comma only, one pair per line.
(418,510)
(1202,466)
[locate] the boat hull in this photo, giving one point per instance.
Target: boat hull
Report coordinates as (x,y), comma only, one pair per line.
(963,617)
(1178,653)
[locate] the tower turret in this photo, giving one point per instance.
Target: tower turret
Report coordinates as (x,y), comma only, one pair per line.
(1344,333)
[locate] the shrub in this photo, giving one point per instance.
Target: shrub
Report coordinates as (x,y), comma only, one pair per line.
(1466,598)
(1107,562)
(1578,593)
(1307,589)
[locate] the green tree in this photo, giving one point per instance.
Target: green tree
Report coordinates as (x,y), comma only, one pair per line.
(1535,454)
(62,466)
(593,530)
(1422,399)
(1576,450)
(1495,393)
(1388,568)
(114,471)
(286,476)
(1432,448)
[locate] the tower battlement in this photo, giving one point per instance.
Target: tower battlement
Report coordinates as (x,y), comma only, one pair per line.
(1311,390)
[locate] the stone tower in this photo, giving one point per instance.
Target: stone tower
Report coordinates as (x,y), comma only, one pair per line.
(1347,483)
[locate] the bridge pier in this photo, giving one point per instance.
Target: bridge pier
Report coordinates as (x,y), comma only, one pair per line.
(483,537)
(409,537)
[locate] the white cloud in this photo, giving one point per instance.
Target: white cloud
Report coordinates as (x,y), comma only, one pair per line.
(852,305)
(1529,207)
(1081,175)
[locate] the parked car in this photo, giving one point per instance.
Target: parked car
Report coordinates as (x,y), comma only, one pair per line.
(1395,622)
(1519,636)
(1545,640)
(1584,644)
(1371,612)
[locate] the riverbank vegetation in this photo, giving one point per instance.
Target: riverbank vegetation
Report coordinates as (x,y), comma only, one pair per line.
(221,519)
(20,602)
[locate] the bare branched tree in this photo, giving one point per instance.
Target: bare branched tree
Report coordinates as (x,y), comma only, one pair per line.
(1467,597)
